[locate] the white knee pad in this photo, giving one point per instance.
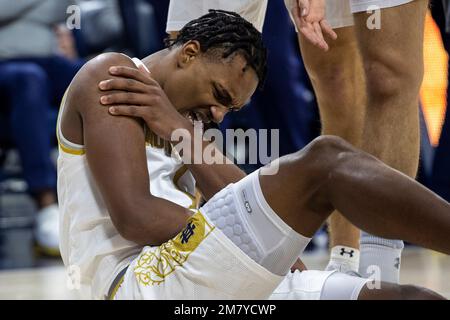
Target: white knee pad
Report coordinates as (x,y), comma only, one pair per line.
(241,212)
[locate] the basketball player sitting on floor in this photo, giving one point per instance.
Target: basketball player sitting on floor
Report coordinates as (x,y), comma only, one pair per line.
(129,217)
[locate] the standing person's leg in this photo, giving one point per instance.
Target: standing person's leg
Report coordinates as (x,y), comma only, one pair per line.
(27,86)
(338,80)
(393,64)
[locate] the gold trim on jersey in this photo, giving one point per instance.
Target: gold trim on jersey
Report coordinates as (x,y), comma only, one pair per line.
(116,288)
(74,152)
(64,147)
(155,264)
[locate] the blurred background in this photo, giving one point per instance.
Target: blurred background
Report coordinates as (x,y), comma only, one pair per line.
(43,43)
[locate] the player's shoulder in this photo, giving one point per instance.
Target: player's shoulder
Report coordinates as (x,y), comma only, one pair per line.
(98,67)
(110,58)
(85,84)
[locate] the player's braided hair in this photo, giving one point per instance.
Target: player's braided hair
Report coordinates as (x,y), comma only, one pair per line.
(228,31)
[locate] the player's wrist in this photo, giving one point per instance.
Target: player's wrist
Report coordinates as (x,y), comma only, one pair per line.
(180,129)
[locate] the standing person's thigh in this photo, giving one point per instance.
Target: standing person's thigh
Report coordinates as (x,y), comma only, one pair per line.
(338,80)
(393,63)
(337,75)
(393,51)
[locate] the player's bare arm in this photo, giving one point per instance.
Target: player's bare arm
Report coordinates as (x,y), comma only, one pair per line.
(113,146)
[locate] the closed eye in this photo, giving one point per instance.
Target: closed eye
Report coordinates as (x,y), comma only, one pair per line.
(222,96)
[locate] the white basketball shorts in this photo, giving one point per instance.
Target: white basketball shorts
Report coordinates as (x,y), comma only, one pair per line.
(183,11)
(339,12)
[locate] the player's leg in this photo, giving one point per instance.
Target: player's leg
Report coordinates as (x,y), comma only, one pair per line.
(331,174)
(393,63)
(338,80)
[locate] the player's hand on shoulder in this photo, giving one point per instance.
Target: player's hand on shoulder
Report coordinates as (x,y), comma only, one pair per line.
(309,18)
(133,92)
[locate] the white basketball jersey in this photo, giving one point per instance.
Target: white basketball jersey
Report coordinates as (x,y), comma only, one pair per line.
(91,247)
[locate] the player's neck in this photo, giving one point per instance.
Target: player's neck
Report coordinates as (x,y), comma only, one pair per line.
(157,66)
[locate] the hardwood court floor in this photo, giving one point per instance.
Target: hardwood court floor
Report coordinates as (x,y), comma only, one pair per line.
(421,267)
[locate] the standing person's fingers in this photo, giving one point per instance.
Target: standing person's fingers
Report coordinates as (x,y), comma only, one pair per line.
(307,30)
(318,31)
(328,29)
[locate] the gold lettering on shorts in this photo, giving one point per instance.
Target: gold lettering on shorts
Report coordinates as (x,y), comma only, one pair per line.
(154,264)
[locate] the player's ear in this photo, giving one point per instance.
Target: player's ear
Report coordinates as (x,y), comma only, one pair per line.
(189,52)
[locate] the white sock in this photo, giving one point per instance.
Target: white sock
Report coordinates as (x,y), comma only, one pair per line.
(344,259)
(380,258)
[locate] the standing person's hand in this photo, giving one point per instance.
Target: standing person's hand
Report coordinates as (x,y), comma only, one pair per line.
(309,18)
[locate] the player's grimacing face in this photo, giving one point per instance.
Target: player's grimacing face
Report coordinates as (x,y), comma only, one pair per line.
(206,90)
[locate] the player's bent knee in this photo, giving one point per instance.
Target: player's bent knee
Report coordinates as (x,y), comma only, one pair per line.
(329,147)
(325,153)
(336,160)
